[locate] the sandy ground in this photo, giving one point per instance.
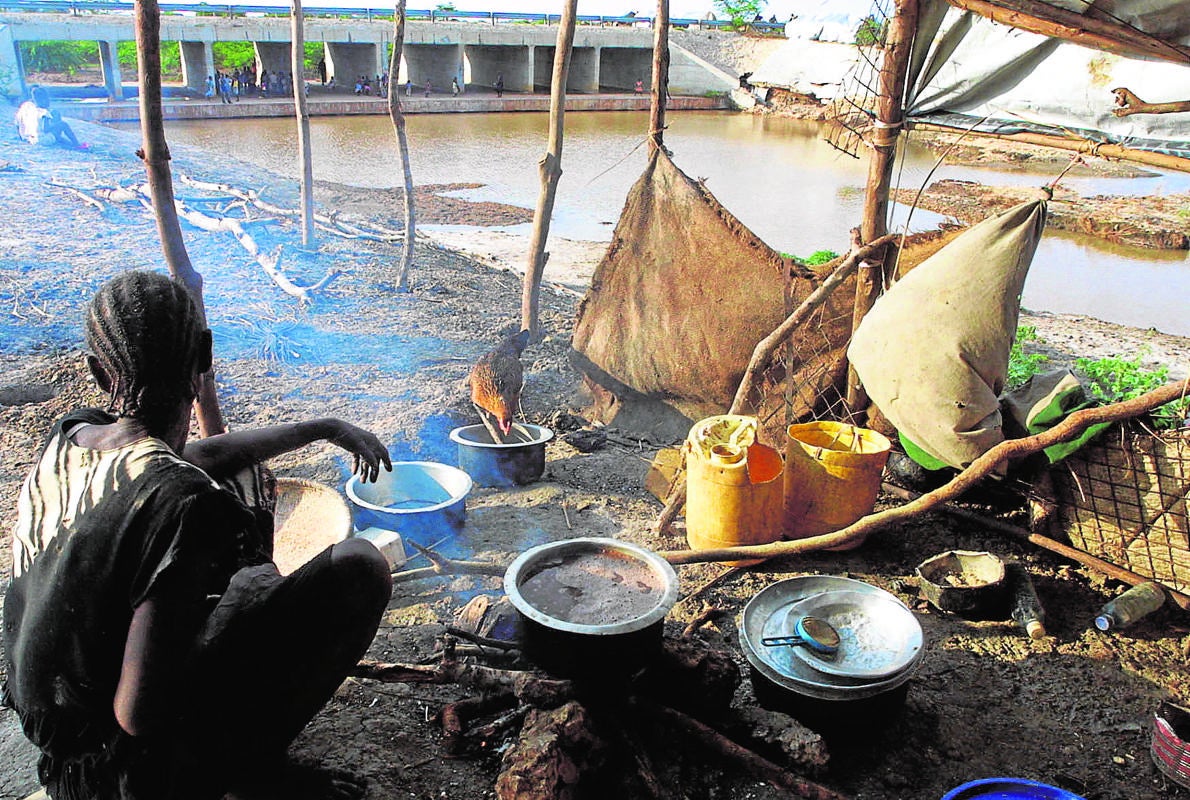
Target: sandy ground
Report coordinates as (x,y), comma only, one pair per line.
(1073,709)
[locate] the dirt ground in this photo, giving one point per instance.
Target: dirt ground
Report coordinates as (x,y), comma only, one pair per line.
(1073,709)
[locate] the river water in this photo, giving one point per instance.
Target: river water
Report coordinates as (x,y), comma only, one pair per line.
(777,175)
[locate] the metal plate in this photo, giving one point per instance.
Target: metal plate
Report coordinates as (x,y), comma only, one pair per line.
(765,615)
(878,636)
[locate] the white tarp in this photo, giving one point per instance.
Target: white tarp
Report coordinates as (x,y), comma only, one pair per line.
(966,64)
(827,20)
(813,68)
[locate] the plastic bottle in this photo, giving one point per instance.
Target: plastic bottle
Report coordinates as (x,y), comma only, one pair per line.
(1026,605)
(1142,599)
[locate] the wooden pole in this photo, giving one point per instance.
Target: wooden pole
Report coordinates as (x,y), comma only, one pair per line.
(1075,144)
(297,71)
(550,170)
(398,119)
(155,153)
(1084,29)
(887,127)
(660,87)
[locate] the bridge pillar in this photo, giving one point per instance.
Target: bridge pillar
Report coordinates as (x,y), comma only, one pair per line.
(489,61)
(109,61)
(584,71)
(437,63)
(12,71)
(198,62)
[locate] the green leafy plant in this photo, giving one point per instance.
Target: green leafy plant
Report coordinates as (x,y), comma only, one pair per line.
(59,57)
(821,257)
(1115,378)
(171,58)
(233,55)
(870,32)
(739,12)
(818,257)
(1021,365)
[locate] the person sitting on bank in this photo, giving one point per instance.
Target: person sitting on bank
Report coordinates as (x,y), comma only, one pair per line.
(35,119)
(153,650)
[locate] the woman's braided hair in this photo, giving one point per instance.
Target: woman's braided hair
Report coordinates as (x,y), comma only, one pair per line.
(147,332)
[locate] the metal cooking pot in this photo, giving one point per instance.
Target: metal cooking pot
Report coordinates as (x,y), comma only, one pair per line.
(591,607)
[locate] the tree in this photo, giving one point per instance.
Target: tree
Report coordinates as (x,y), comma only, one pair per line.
(549,169)
(740,12)
(297,71)
(155,153)
(398,120)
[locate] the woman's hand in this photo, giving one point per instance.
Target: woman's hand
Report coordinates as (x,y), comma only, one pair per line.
(367,451)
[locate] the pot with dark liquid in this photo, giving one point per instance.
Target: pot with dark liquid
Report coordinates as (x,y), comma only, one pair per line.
(591,607)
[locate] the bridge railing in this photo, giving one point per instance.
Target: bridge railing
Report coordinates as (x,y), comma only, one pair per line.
(79,7)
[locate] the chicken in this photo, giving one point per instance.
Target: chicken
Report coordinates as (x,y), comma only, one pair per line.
(496,381)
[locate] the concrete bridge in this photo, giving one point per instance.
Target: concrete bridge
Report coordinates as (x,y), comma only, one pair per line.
(604,59)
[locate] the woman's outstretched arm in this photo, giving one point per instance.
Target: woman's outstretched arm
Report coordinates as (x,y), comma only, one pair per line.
(227,453)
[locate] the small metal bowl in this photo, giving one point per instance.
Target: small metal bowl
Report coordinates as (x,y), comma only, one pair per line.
(424,501)
(516,462)
(967,583)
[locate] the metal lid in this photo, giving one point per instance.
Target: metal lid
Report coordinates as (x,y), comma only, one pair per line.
(766,615)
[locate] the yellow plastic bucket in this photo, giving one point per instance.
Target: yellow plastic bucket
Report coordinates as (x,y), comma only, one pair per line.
(832,477)
(733,497)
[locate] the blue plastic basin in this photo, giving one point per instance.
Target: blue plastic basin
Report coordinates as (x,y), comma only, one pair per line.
(1008,789)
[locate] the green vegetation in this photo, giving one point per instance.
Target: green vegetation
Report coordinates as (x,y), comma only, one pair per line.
(816,258)
(1021,365)
(171,59)
(739,12)
(870,32)
(1109,380)
(62,57)
(820,257)
(1116,378)
(233,55)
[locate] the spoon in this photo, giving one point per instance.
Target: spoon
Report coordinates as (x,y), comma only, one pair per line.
(815,633)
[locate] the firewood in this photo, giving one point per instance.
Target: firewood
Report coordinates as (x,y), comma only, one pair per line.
(688,674)
(736,753)
(707,614)
(797,744)
(483,735)
(555,750)
(529,688)
(454,716)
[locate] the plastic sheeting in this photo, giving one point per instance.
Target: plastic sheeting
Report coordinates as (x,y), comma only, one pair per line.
(963,63)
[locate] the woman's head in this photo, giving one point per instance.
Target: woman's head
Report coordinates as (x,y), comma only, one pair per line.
(148,339)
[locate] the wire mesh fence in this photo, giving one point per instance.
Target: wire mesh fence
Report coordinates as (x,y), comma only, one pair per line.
(1124,499)
(851,116)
